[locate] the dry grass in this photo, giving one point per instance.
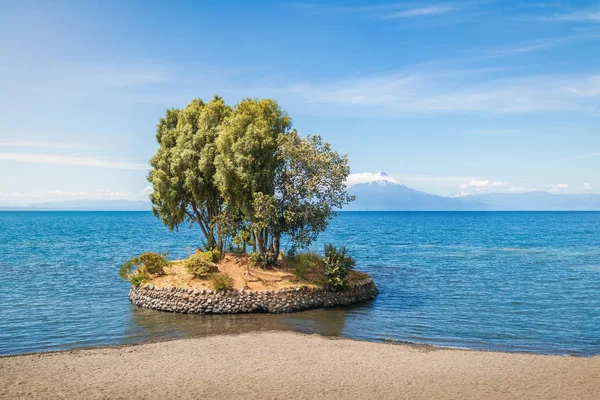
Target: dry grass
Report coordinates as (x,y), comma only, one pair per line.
(255,278)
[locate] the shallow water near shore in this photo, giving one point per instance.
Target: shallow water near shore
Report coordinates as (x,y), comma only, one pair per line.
(507,281)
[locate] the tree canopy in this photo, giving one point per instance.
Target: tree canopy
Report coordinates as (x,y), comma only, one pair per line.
(245,176)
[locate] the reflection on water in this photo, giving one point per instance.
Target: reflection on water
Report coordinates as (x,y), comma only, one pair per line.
(156,325)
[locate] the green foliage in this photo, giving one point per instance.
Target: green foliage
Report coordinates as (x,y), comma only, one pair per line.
(126,269)
(246,163)
(139,278)
(335,267)
(144,267)
(244,176)
(201,264)
(256,259)
(221,282)
(312,181)
(304,262)
(154,263)
(183,167)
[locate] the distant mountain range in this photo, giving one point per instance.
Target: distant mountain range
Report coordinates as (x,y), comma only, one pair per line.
(380,192)
(383,193)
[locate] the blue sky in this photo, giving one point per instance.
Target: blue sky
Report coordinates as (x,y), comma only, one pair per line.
(446,97)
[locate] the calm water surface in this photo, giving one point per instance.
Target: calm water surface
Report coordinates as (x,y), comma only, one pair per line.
(525,282)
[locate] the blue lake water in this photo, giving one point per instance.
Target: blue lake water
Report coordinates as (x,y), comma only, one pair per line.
(509,281)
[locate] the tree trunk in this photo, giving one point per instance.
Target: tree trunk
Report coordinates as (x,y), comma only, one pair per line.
(275,249)
(262,246)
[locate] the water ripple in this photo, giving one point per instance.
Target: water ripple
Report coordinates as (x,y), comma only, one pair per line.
(524,282)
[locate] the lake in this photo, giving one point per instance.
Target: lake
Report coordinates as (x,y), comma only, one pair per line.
(507,281)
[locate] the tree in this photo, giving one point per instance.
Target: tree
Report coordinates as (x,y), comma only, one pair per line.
(183,168)
(243,174)
(247,160)
(310,184)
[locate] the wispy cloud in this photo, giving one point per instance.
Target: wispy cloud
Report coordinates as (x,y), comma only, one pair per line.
(466,90)
(420,12)
(497,132)
(67,81)
(68,194)
(577,16)
(41,144)
(489,186)
(348,9)
(385,11)
(72,161)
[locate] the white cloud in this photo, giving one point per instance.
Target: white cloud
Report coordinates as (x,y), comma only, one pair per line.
(147,190)
(40,195)
(484,183)
(41,144)
(420,12)
(555,188)
(423,90)
(72,160)
(488,186)
(587,186)
(494,132)
(101,78)
(477,186)
(577,16)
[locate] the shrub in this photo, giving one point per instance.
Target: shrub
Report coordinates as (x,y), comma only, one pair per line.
(305,262)
(256,259)
(126,269)
(336,265)
(214,255)
(142,268)
(221,282)
(201,263)
(138,278)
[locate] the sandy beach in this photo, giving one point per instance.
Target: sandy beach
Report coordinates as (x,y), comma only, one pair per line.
(288,365)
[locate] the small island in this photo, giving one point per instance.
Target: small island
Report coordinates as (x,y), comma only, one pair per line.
(250,182)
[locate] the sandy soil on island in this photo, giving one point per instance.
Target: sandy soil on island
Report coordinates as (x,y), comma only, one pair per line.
(277,365)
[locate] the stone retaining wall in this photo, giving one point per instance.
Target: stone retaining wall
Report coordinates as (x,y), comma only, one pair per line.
(191,301)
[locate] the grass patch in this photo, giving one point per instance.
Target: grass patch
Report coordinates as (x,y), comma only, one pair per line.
(304,262)
(200,264)
(221,282)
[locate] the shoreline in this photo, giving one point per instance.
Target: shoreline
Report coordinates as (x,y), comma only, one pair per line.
(389,342)
(284,364)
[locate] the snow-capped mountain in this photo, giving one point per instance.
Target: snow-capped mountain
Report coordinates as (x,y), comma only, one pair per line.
(379,178)
(380,192)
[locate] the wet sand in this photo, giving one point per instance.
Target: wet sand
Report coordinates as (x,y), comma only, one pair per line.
(276,365)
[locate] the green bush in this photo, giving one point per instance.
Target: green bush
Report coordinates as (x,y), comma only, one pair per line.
(255,259)
(221,282)
(335,267)
(144,267)
(214,255)
(139,278)
(305,262)
(201,264)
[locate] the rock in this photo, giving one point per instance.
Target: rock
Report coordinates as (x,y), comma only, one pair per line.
(193,301)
